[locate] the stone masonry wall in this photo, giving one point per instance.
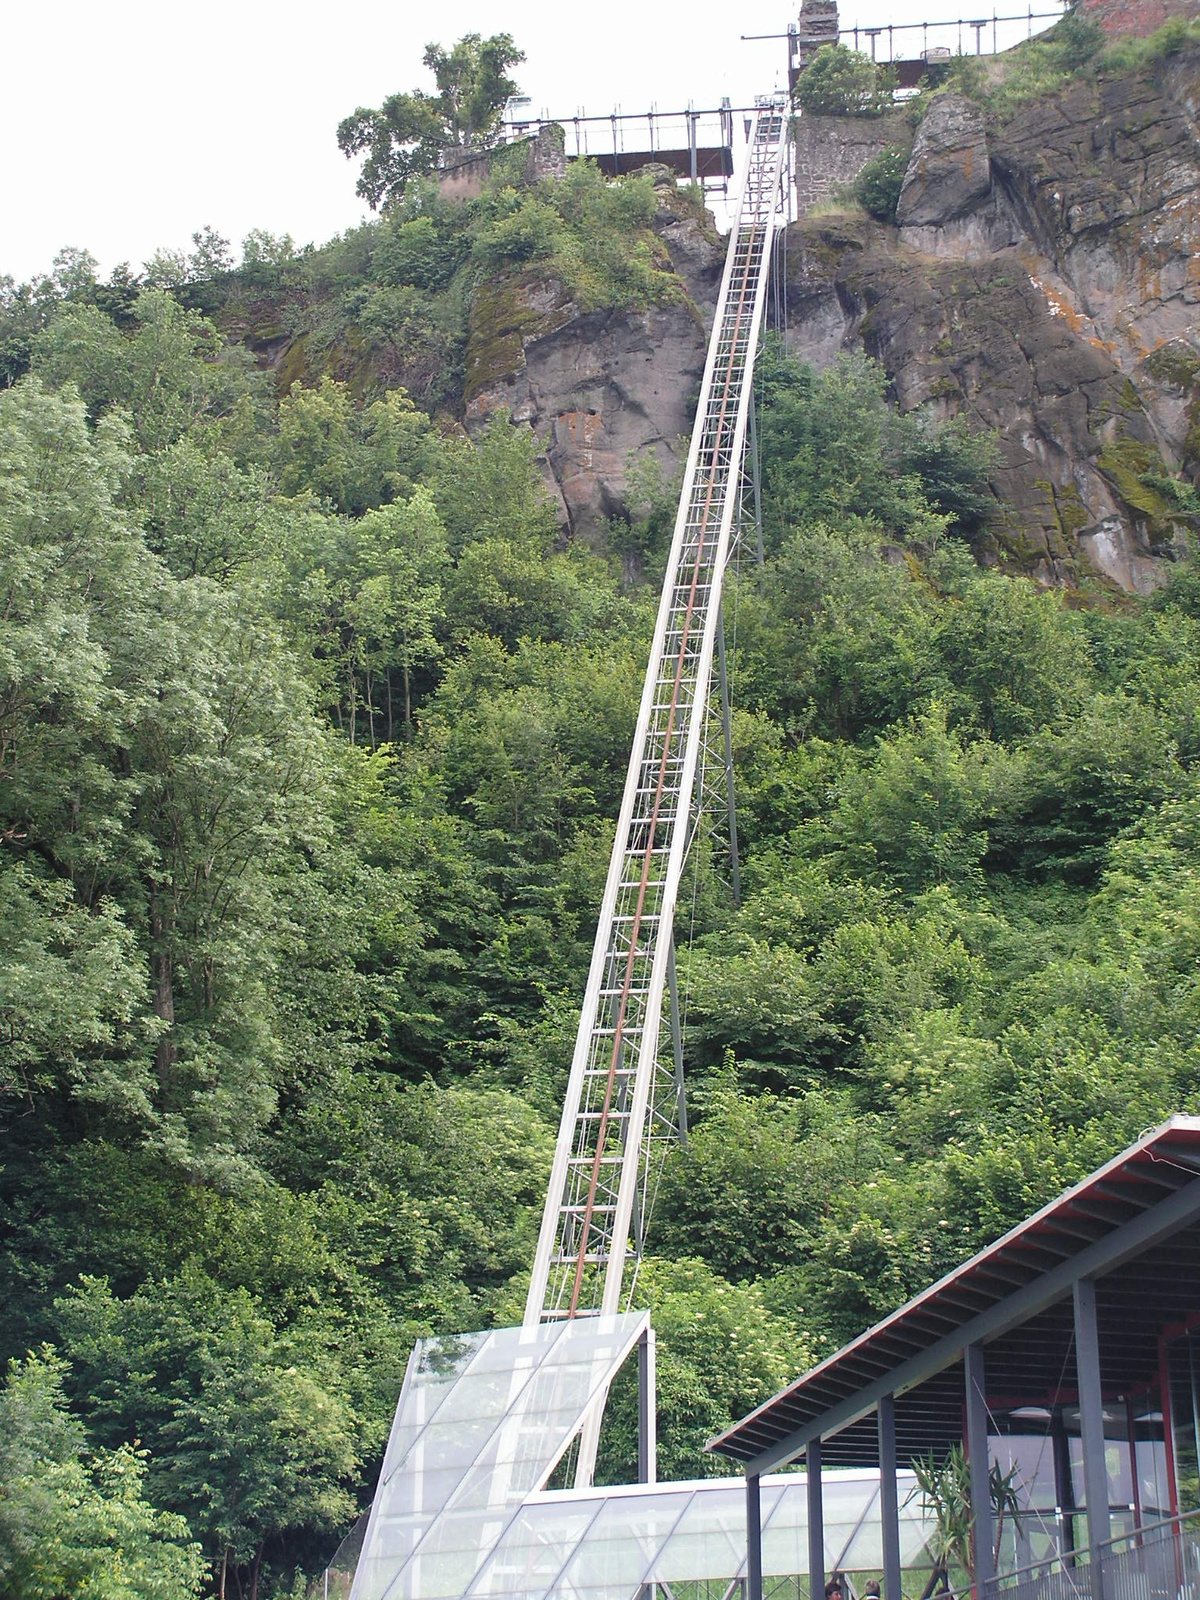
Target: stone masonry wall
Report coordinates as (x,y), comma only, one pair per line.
(1138,17)
(545,158)
(830,151)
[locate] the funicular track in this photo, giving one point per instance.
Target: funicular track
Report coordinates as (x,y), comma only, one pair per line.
(618,1086)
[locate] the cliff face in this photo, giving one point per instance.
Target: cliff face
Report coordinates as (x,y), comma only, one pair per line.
(597,386)
(1044,279)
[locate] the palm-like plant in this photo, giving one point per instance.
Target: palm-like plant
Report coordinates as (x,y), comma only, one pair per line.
(945,1490)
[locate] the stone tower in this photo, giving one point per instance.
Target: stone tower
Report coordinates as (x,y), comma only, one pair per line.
(818,25)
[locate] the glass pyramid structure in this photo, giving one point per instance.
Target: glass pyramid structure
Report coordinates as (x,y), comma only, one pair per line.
(462,1508)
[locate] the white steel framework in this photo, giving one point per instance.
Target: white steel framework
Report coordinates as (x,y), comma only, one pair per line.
(597,1185)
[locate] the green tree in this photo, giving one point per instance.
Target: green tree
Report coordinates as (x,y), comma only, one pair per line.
(918,809)
(358,458)
(721,1351)
(845,83)
(74,1520)
(492,489)
(408,135)
(247,1435)
(163,374)
(829,451)
(157,749)
(367,595)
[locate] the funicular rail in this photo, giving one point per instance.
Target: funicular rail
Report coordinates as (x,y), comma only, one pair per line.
(594,1200)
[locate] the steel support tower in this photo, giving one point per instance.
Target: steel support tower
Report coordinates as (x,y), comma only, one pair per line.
(618,1085)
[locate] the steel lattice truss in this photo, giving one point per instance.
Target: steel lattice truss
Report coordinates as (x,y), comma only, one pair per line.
(620,1091)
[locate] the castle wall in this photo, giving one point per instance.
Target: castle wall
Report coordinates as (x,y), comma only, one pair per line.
(1138,17)
(830,151)
(545,158)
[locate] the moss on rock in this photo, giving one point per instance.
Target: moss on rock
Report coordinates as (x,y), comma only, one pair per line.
(504,313)
(1127,464)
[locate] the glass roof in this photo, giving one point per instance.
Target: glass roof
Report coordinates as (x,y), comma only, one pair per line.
(462,1509)
(482,1421)
(605,1544)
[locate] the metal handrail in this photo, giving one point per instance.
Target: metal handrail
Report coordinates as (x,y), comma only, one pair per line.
(1149,1527)
(1082,1556)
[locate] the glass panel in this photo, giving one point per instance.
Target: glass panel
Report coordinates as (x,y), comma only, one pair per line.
(487,1394)
(480,1424)
(621,1544)
(1154,1494)
(1116,1456)
(536,1546)
(423,1493)
(710,1538)
(445,1357)
(1183,1363)
(505,1348)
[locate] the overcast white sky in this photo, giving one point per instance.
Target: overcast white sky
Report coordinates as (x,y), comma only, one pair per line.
(126,128)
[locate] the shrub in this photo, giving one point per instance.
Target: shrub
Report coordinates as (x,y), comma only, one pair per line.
(841,82)
(522,229)
(1078,38)
(877,187)
(416,252)
(1128,55)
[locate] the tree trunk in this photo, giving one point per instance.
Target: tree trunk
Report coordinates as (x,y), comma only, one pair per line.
(407,701)
(221,1580)
(254,1574)
(371,705)
(387,678)
(162,975)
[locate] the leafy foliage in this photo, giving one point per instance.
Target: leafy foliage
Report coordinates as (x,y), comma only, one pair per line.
(312,730)
(408,134)
(877,187)
(845,83)
(74,1520)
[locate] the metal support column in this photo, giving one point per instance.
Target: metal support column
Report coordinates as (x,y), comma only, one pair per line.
(889,1506)
(816,1522)
(727,737)
(1091,1425)
(677,1043)
(647,1410)
(977,1453)
(754,1575)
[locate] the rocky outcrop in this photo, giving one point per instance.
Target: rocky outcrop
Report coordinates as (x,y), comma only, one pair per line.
(949,172)
(597,387)
(1045,282)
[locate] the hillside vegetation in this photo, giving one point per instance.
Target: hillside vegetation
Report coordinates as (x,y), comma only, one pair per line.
(312,732)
